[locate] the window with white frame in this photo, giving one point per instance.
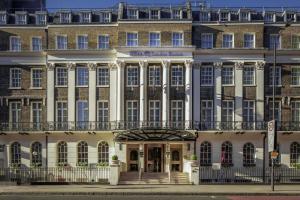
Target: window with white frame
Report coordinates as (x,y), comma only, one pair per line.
(177,75)
(154,14)
(3,18)
(277,110)
(204,16)
(277,76)
(132,39)
(102,114)
(15,154)
(248,111)
(132,111)
(36,43)
(224,16)
(227,75)
(82,42)
(15,78)
(103,153)
(132,13)
(275,41)
(61,113)
(105,17)
(226,154)
(103,41)
(61,42)
(61,76)
(103,76)
(62,153)
(176,14)
(290,17)
(245,16)
(295,76)
(206,75)
(207,41)
(248,155)
(177,111)
(249,75)
(21,19)
(269,17)
(227,111)
(85,17)
(82,154)
(296,41)
(36,77)
(65,17)
(205,154)
(295,154)
(295,105)
(36,154)
(207,112)
(249,40)
(82,76)
(15,43)
(132,76)
(82,111)
(154,39)
(177,39)
(227,40)
(154,76)
(41,19)
(154,110)
(36,114)
(14,114)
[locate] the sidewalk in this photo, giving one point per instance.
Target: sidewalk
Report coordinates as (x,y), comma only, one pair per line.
(216,190)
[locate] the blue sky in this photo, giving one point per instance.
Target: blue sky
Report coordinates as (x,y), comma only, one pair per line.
(213,3)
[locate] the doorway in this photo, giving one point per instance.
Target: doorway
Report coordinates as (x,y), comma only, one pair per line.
(155,159)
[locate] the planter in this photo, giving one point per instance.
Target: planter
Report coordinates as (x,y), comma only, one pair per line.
(115,162)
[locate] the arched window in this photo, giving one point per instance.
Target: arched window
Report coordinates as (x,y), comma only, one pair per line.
(226,154)
(248,155)
(82,151)
(134,155)
(15,152)
(62,153)
(103,153)
(295,154)
(175,155)
(36,154)
(205,154)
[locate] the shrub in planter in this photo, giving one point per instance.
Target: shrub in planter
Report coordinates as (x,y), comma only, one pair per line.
(114,157)
(194,157)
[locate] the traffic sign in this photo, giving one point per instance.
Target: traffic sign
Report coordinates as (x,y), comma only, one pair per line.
(271,135)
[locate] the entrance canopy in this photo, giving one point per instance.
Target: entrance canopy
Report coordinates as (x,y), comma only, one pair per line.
(154,135)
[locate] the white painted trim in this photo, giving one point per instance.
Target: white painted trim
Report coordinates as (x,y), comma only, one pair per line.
(97,76)
(136,67)
(228,33)
(149,44)
(76,77)
(254,75)
(31,44)
(77,43)
(10,78)
(155,22)
(31,79)
(154,101)
(134,32)
(233,75)
(10,43)
(55,84)
(97,109)
(138,106)
(148,77)
(98,42)
(182,38)
(183,75)
(56,107)
(56,41)
(254,40)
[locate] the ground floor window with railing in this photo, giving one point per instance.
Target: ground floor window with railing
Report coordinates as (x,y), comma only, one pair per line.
(295,154)
(248,155)
(15,151)
(62,154)
(103,153)
(226,154)
(205,154)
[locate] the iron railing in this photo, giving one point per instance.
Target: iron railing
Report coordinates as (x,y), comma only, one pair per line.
(231,175)
(55,175)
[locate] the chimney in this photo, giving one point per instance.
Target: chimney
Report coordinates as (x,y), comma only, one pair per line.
(121,10)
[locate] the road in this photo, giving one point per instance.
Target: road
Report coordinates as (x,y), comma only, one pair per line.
(143,197)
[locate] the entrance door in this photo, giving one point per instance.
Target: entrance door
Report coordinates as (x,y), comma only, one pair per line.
(154,159)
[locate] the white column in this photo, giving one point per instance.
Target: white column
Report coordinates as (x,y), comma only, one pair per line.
(71,95)
(188,93)
(50,92)
(113,88)
(238,101)
(260,91)
(165,93)
(143,92)
(92,94)
(196,89)
(120,91)
(218,92)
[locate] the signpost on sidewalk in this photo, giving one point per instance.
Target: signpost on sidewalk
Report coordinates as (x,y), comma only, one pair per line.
(272,147)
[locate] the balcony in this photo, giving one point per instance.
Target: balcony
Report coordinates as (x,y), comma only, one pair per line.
(234,126)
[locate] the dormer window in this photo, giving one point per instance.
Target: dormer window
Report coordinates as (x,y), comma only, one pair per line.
(85,17)
(224,16)
(245,16)
(290,17)
(204,16)
(41,19)
(177,14)
(133,14)
(21,18)
(105,17)
(3,18)
(269,17)
(65,17)
(154,14)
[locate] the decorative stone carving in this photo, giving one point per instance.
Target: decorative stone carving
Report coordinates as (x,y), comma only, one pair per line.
(50,66)
(71,65)
(166,63)
(218,64)
(92,66)
(239,65)
(188,63)
(120,63)
(260,65)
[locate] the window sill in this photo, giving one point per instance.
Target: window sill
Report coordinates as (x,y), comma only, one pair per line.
(295,86)
(206,85)
(275,86)
(35,88)
(249,85)
(14,88)
(177,85)
(82,86)
(61,86)
(102,86)
(132,86)
(228,85)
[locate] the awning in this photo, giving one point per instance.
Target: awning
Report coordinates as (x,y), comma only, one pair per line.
(154,135)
